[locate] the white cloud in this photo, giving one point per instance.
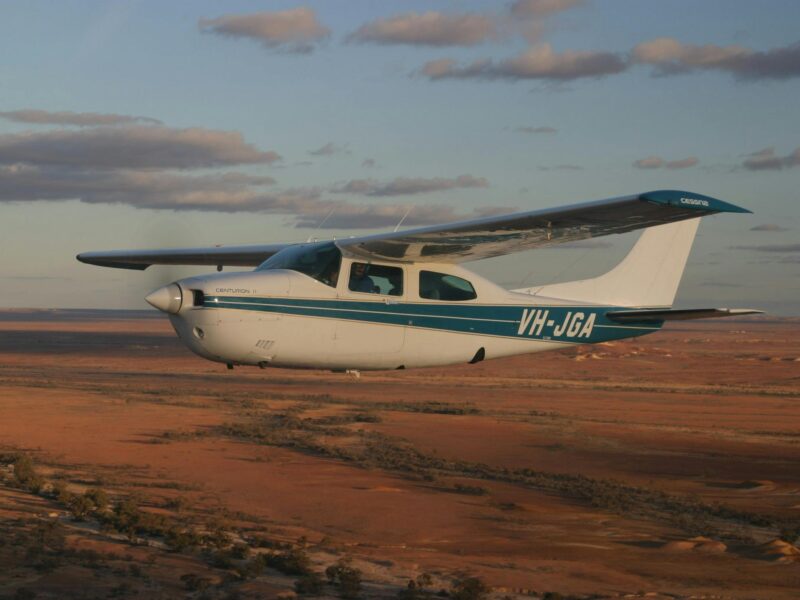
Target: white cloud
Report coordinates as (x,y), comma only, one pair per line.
(296,30)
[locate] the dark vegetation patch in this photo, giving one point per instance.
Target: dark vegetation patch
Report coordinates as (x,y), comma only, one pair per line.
(227,557)
(373,450)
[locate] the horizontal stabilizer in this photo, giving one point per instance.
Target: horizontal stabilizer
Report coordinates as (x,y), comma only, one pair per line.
(649,316)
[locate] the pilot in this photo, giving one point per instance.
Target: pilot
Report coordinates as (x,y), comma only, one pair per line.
(331,275)
(360,281)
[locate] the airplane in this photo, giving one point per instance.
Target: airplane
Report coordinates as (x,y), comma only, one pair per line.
(402,300)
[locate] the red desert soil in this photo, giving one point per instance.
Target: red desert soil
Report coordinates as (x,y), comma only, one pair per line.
(707,413)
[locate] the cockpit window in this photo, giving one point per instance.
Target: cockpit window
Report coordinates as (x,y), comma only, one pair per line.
(375,279)
(320,261)
(441,286)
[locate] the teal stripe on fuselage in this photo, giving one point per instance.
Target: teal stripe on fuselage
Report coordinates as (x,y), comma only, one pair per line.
(577,324)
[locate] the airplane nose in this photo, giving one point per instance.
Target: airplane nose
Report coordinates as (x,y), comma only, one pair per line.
(168,298)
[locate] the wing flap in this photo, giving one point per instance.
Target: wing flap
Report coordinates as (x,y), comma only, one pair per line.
(685,314)
(229,256)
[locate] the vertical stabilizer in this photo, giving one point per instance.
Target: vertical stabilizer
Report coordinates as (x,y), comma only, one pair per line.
(647,277)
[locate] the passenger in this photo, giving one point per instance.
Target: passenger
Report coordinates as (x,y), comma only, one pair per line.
(396,281)
(360,281)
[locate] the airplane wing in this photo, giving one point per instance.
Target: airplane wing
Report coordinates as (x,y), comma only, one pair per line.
(234,256)
(498,235)
(460,241)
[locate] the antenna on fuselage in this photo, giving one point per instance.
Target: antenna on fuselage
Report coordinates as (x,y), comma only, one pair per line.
(400,222)
(321,223)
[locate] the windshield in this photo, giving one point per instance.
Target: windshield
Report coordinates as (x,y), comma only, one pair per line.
(320,261)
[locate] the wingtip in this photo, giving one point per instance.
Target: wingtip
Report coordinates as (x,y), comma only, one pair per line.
(692,200)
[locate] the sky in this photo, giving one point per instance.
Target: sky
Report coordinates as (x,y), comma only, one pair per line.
(144,124)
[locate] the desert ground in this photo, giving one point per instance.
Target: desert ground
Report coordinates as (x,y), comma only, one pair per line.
(661,467)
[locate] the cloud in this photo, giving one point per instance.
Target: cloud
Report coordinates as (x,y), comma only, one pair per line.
(668,56)
(656,162)
(144,167)
(329,149)
(537,62)
(534,130)
(138,147)
(221,192)
(651,162)
(141,189)
(541,8)
(296,30)
(34,278)
(767,160)
(769,227)
(427,29)
(770,248)
(683,163)
(492,211)
(84,119)
(403,186)
(562,168)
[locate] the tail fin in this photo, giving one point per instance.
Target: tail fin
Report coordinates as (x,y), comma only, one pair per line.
(647,277)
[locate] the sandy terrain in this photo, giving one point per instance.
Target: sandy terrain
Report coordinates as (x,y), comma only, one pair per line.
(665,466)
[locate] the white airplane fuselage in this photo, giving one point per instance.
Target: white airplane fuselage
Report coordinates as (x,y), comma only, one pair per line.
(287,319)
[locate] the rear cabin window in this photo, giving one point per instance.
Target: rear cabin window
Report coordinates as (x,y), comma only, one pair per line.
(320,261)
(375,279)
(441,286)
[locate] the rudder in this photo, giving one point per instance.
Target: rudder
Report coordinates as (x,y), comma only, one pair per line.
(647,277)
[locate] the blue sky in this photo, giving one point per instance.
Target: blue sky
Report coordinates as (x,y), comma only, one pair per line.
(530,104)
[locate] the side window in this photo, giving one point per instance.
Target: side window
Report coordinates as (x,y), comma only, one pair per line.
(440,286)
(375,279)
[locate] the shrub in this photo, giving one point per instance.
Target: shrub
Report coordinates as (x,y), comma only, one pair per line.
(471,490)
(61,493)
(240,551)
(469,588)
(178,540)
(790,533)
(25,475)
(195,583)
(80,507)
(98,498)
(345,577)
(294,561)
(416,588)
(309,585)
